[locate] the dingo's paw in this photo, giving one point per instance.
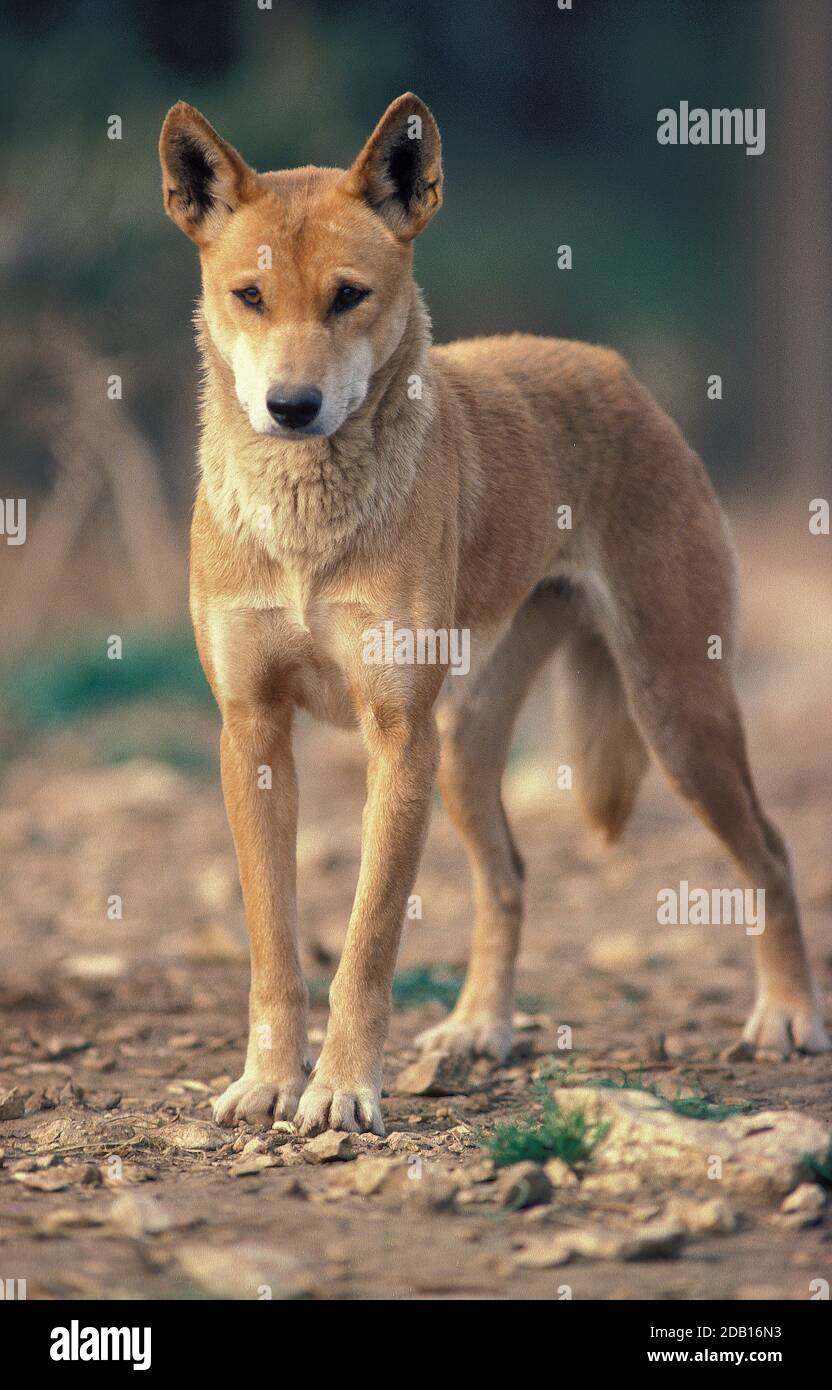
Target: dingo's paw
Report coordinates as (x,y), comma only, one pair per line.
(780,1028)
(457,1039)
(353,1108)
(258,1102)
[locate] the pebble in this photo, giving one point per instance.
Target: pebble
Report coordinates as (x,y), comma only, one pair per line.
(804,1206)
(560,1174)
(523,1185)
(334,1146)
(434,1074)
(187,1136)
(60,1177)
(714,1217)
(12,1105)
(254,1163)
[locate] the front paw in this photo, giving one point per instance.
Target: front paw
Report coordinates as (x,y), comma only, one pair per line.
(355,1108)
(258,1102)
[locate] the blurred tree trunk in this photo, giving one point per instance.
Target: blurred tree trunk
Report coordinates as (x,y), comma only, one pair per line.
(797,229)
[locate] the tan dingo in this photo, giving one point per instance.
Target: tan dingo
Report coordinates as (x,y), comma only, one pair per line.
(356,480)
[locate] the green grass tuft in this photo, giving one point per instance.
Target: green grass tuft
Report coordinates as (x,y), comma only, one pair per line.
(820,1167)
(422,984)
(699,1106)
(703,1107)
(570,1135)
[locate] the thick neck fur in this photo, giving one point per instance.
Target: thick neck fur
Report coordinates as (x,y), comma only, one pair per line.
(307,503)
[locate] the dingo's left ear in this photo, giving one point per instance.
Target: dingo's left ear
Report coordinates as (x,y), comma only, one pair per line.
(204,179)
(399,170)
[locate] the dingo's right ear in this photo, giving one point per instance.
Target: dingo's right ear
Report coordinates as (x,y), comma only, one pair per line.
(204,179)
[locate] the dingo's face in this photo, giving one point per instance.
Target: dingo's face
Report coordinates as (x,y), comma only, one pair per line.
(305,273)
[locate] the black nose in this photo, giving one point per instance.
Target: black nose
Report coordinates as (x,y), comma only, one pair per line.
(297,410)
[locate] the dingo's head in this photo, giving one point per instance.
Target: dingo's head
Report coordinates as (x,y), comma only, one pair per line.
(306,274)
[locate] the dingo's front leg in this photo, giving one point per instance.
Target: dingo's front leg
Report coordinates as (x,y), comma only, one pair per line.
(344,1091)
(260,789)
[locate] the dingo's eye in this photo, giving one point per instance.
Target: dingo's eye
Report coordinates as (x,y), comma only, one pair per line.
(347,297)
(250,295)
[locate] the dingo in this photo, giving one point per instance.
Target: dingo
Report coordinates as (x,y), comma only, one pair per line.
(352,476)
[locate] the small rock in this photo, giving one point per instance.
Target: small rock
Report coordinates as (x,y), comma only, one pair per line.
(58,1178)
(662,1240)
(254,1146)
(111,1101)
(615,951)
(549,1251)
(402,1142)
(62,1219)
(804,1207)
(254,1163)
(523,1185)
(372,1175)
(12,1105)
(59,1047)
(248,1271)
(334,1146)
(94,967)
(402,1180)
(714,1217)
(659,1240)
(292,1158)
(434,1074)
(483,1171)
(137,1216)
(273,1142)
(478,1194)
(72,1094)
(193,1135)
(559,1173)
(807,1197)
(616,1184)
(527,1023)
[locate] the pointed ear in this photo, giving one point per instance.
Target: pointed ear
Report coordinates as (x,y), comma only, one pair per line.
(203,179)
(399,171)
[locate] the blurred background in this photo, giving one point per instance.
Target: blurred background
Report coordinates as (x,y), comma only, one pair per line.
(690,261)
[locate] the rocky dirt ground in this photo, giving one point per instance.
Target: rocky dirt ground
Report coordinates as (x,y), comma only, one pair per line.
(114,1181)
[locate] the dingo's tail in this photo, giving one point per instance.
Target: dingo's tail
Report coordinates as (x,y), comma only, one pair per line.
(607,751)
